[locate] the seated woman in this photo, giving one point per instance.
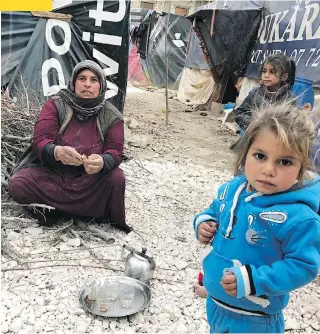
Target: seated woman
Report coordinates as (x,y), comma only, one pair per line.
(77,145)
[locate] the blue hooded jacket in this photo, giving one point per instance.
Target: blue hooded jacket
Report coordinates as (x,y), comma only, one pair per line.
(271,243)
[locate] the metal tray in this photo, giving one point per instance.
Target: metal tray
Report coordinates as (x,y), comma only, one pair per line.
(141,300)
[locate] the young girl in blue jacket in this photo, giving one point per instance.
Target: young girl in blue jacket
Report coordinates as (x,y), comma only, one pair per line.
(264,226)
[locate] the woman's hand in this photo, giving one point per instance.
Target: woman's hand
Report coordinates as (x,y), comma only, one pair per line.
(206,231)
(93,163)
(229,283)
(67,155)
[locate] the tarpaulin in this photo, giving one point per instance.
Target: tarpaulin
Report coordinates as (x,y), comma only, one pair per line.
(290,27)
(177,41)
(137,15)
(136,74)
(195,57)
(234,33)
(196,86)
(39,54)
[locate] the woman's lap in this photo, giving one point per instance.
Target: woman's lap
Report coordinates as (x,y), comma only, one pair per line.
(86,195)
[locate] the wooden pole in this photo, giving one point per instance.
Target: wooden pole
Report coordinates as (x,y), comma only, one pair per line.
(167,65)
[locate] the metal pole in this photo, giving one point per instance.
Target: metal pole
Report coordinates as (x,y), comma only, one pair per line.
(167,65)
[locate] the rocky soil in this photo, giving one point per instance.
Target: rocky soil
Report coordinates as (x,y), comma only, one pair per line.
(174,173)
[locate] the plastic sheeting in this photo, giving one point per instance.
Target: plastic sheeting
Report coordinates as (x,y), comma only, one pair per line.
(155,62)
(137,15)
(43,52)
(234,35)
(135,69)
(196,86)
(290,27)
(195,57)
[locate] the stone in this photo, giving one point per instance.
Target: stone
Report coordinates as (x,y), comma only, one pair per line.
(4,327)
(97,330)
(144,329)
(127,133)
(105,324)
(315,325)
(75,242)
(34,231)
(40,301)
(64,246)
(3,310)
(133,124)
(307,316)
(113,326)
(13,236)
(15,311)
(292,324)
(138,318)
(81,326)
(16,325)
(50,329)
(31,318)
(179,264)
(163,317)
(141,141)
(79,311)
(188,302)
(130,330)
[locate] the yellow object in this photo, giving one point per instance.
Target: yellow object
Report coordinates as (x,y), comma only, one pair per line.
(23,5)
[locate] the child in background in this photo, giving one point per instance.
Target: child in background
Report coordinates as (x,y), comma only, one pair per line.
(277,77)
(267,241)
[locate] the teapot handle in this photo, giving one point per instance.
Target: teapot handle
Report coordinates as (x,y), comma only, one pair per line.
(132,250)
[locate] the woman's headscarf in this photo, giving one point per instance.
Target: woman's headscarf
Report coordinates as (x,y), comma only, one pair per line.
(84,108)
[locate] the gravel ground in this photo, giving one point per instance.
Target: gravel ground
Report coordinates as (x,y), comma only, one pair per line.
(163,194)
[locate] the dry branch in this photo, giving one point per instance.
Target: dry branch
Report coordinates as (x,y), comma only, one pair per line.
(17,219)
(35,205)
(102,234)
(97,256)
(59,265)
(18,117)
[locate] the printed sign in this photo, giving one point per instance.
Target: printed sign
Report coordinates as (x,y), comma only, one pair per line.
(39,53)
(292,28)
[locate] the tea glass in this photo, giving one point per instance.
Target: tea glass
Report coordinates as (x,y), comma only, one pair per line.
(112,289)
(92,288)
(103,302)
(127,296)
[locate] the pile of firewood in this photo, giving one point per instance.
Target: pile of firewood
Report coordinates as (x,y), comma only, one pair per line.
(18,116)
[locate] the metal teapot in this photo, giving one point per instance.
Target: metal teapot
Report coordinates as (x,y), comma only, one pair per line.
(139,264)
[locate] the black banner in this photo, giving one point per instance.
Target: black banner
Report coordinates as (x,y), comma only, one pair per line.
(39,54)
(291,27)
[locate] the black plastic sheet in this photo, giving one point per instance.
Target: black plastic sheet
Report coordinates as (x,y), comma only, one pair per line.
(177,42)
(234,35)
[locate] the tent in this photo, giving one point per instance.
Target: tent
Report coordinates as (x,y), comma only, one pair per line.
(196,84)
(40,49)
(291,27)
(233,35)
(150,44)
